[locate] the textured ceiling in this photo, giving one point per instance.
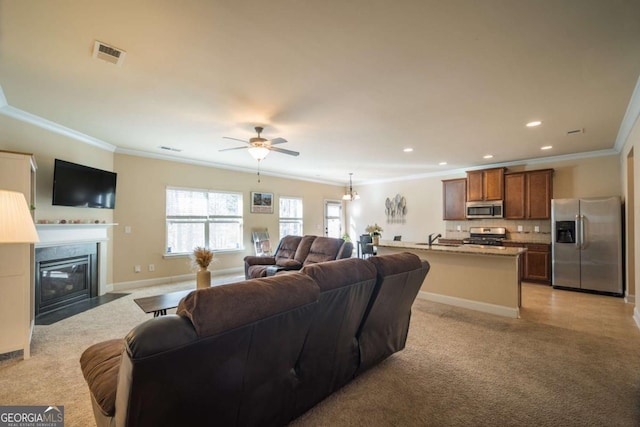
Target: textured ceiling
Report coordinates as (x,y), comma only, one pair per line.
(348,83)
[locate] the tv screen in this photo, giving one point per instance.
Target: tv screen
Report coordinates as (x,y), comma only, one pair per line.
(82,186)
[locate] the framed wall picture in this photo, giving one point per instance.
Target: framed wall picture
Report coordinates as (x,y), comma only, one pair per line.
(261,202)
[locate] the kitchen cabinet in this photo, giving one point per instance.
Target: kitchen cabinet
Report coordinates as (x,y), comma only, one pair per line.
(535,264)
(17,304)
(527,195)
(486,184)
(453,199)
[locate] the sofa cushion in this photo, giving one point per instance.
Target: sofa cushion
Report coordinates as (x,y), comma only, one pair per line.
(303,248)
(388,265)
(386,324)
(287,247)
(290,264)
(323,249)
(226,307)
(100,364)
(331,353)
(345,272)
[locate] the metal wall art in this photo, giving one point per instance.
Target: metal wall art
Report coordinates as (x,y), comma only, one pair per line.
(395,209)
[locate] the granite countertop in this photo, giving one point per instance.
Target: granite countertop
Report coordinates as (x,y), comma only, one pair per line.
(462,249)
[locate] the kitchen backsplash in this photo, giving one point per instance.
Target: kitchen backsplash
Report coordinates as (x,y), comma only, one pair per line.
(460,229)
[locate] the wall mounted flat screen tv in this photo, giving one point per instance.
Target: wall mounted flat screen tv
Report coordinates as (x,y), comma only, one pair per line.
(83,186)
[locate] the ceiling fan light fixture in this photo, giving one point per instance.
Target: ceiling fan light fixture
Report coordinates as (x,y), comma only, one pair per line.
(351,195)
(258,153)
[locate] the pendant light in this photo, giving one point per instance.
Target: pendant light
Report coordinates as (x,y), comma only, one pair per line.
(351,195)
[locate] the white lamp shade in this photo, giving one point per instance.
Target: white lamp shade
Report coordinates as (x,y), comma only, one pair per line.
(16,224)
(258,153)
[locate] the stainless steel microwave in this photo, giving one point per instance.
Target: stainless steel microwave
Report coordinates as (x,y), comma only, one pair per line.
(490,209)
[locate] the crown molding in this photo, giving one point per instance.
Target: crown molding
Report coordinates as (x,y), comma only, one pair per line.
(630,118)
(631,115)
(159,156)
(43,123)
(54,127)
(533,161)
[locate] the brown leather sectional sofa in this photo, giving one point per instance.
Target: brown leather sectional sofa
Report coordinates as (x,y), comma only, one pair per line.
(259,352)
(295,252)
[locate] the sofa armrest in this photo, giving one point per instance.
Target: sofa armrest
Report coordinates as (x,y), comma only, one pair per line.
(158,335)
(259,260)
(283,265)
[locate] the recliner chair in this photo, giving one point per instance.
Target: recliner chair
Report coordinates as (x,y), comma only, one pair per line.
(307,250)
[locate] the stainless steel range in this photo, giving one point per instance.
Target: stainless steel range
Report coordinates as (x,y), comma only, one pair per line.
(486,236)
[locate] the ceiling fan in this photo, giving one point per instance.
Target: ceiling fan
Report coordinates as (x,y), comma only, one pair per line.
(260,147)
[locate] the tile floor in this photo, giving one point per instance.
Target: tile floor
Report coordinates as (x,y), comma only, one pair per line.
(596,314)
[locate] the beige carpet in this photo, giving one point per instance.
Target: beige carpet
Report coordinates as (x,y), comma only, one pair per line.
(460,368)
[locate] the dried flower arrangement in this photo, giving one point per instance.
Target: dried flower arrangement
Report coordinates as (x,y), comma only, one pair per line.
(374,230)
(201,257)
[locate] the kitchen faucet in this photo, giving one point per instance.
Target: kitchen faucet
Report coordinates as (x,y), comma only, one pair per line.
(433,239)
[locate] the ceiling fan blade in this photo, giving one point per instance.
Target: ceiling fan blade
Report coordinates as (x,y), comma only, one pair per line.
(283,151)
(236,139)
(275,141)
(234,148)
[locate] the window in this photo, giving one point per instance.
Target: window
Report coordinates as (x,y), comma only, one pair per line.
(290,216)
(203,218)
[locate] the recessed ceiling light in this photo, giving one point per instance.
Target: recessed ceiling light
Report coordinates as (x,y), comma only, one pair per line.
(442,163)
(546,147)
(488,156)
(408,150)
(534,123)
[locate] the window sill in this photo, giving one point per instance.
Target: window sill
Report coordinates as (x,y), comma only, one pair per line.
(188,254)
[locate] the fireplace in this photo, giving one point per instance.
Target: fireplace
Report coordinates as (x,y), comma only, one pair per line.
(65,275)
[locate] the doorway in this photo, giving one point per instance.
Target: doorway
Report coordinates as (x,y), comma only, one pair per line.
(333,218)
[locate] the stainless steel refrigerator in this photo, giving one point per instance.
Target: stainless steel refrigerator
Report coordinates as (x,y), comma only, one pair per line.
(586,244)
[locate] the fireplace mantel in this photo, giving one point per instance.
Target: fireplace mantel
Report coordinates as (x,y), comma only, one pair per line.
(57,234)
(66,234)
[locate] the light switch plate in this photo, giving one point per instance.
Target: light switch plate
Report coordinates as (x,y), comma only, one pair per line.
(519,228)
(536,229)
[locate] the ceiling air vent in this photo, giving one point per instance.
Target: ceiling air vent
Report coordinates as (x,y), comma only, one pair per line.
(164,147)
(575,131)
(108,53)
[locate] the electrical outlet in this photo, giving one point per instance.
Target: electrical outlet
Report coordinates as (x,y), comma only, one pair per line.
(536,229)
(136,269)
(459,228)
(519,229)
(152,267)
(127,229)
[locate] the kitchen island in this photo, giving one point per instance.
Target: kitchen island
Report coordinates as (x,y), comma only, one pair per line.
(483,278)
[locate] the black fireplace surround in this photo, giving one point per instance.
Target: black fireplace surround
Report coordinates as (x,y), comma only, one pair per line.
(65,275)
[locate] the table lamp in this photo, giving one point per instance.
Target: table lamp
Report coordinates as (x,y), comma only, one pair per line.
(16,224)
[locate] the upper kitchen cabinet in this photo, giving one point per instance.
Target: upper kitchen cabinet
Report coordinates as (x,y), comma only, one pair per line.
(487,184)
(527,195)
(453,199)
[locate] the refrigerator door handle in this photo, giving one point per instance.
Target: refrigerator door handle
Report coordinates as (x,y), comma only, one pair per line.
(583,242)
(578,233)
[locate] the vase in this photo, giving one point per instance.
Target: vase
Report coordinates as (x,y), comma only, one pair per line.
(376,240)
(203,279)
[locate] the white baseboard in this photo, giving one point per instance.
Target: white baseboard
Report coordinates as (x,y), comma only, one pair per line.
(636,316)
(630,299)
(124,286)
(499,310)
